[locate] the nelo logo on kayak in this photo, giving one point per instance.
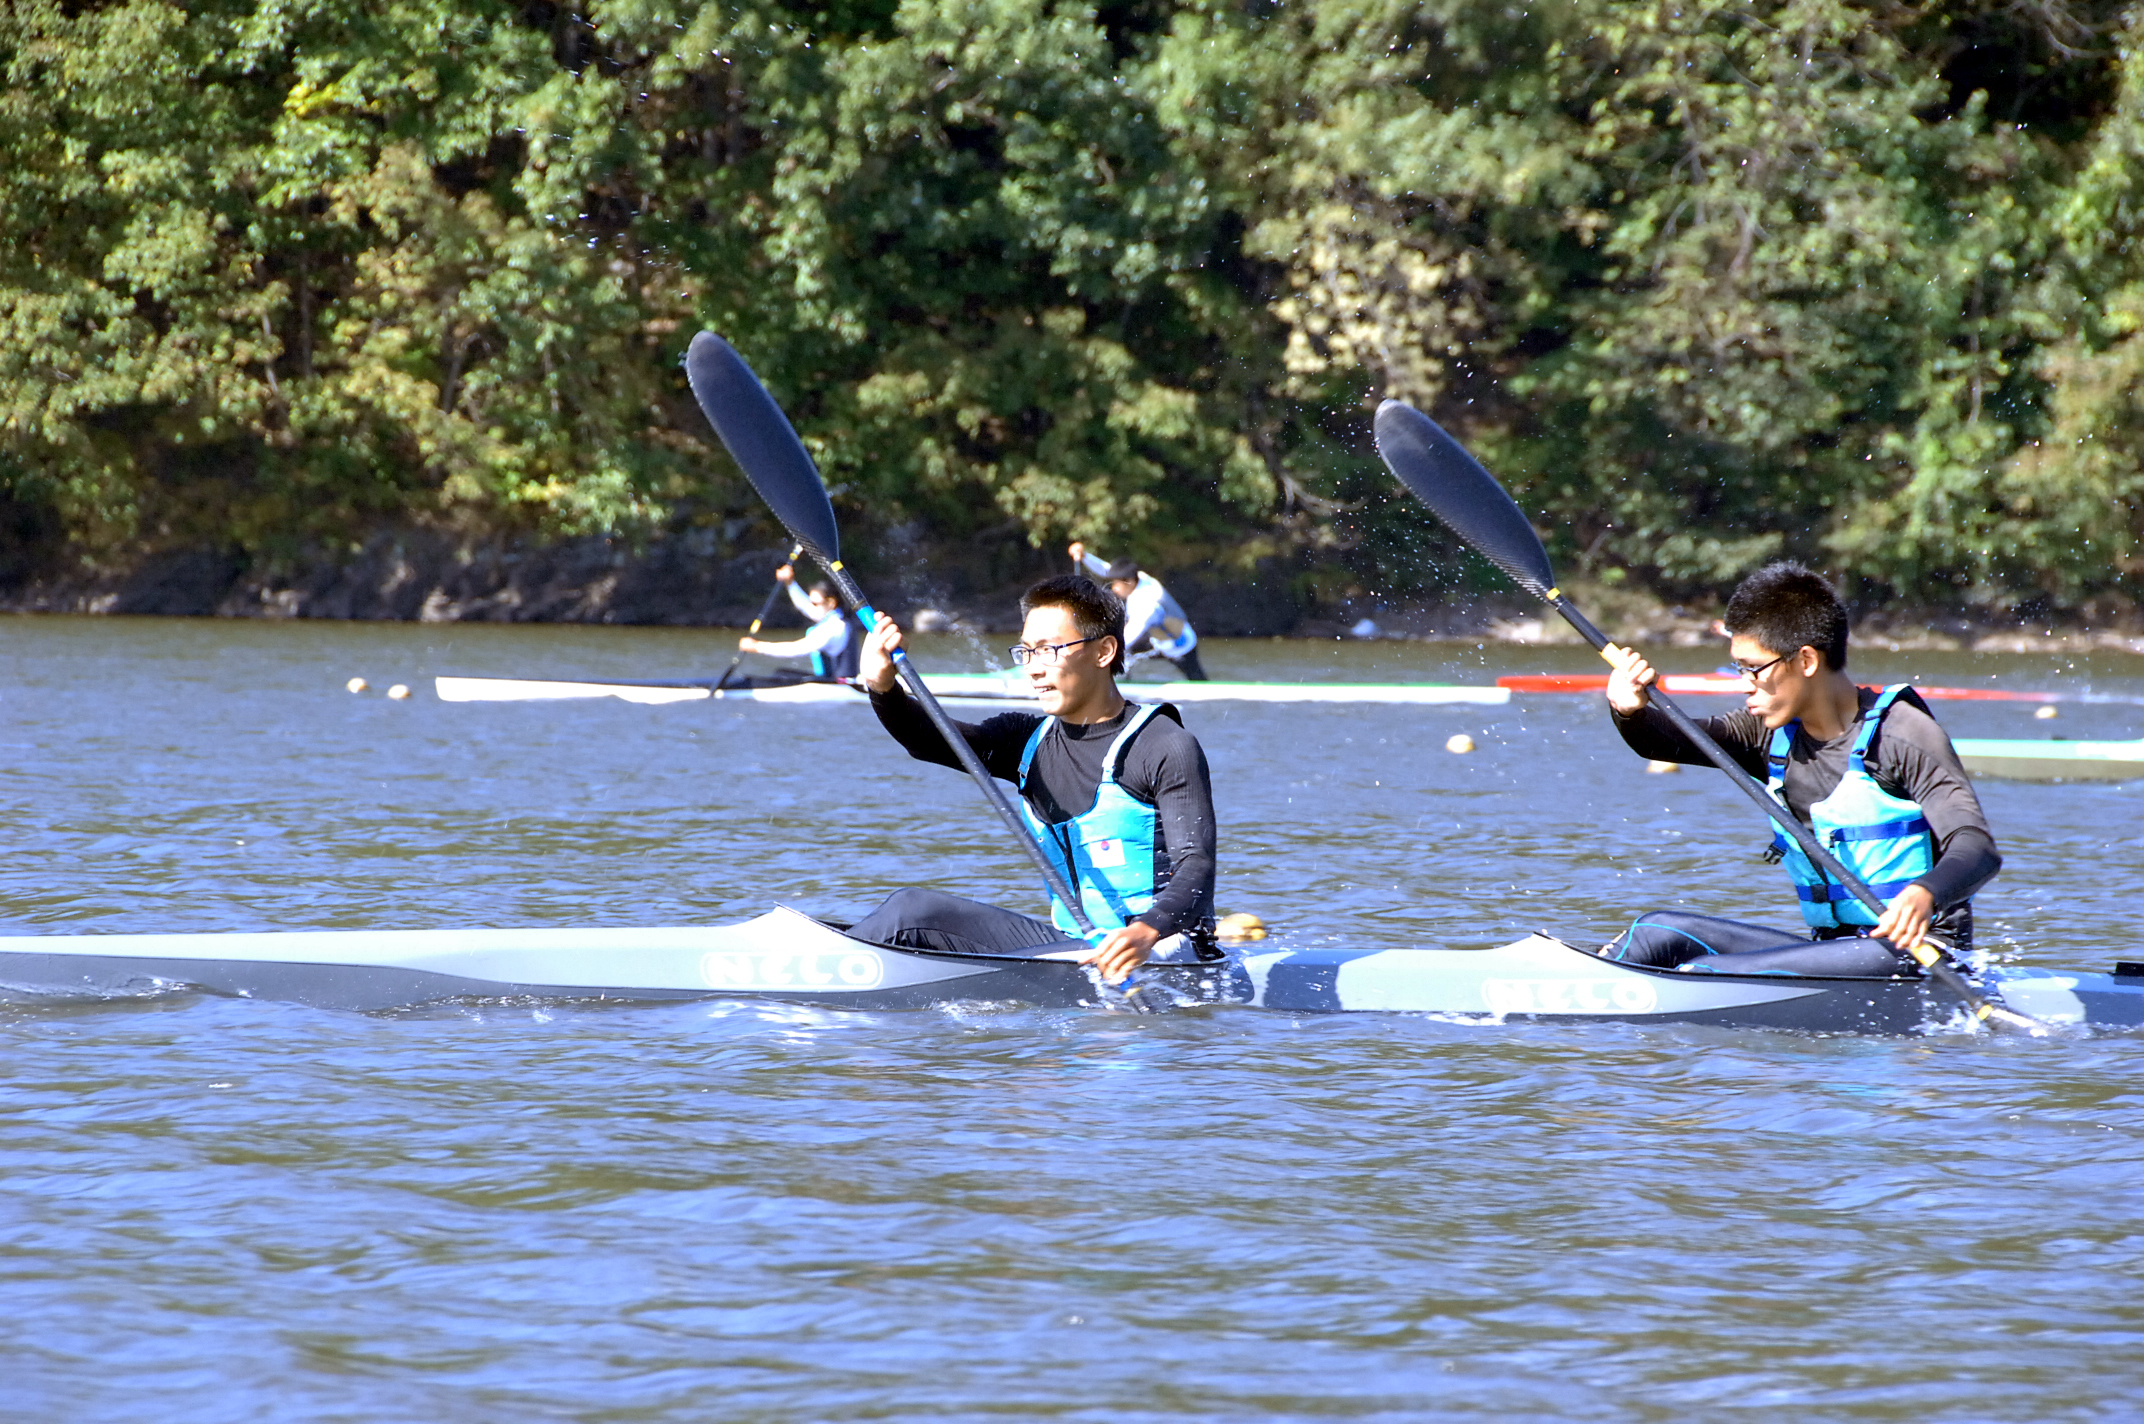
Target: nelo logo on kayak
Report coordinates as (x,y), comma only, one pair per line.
(837,969)
(1568,996)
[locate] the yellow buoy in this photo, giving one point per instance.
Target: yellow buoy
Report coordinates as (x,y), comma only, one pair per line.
(1459,742)
(357,684)
(1239,928)
(2047,714)
(399,692)
(1659,768)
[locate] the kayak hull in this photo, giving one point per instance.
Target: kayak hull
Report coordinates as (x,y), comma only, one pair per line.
(787,957)
(781,955)
(967,687)
(645,694)
(1540,979)
(1731,685)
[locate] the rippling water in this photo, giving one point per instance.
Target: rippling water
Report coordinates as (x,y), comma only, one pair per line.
(223,1210)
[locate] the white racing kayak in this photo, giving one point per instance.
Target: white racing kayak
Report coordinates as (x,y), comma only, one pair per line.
(971,687)
(652,694)
(789,957)
(2019,759)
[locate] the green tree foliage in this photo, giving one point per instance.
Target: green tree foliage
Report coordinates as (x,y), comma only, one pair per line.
(1712,282)
(1708,282)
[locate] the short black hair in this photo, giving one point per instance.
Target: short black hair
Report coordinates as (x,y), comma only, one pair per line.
(1096,612)
(1787,607)
(824,589)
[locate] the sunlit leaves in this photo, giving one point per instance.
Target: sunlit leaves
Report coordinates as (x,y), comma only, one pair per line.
(1706,281)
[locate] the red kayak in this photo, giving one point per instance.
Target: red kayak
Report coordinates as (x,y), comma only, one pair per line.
(1726,685)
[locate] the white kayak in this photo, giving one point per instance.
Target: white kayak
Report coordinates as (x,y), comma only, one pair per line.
(790,957)
(2019,759)
(1007,687)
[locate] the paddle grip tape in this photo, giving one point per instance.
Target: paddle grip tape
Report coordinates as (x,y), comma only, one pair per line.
(865,613)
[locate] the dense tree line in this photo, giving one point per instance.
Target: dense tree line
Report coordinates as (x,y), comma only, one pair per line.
(1706,281)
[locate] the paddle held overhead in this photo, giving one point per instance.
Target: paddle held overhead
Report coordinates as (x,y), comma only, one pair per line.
(765,446)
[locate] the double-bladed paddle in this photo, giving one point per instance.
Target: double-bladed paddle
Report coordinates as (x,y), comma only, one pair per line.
(765,446)
(1440,472)
(773,594)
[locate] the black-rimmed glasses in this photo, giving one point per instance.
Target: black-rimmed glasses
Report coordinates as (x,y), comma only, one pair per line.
(1753,673)
(1047,654)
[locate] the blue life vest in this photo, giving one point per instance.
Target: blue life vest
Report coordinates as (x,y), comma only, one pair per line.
(1112,857)
(1882,838)
(846,659)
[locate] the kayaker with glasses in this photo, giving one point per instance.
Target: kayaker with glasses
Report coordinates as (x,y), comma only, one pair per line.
(832,642)
(1115,792)
(1869,771)
(1155,625)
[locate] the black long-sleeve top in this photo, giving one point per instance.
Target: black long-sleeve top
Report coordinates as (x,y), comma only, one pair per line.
(1912,757)
(1164,767)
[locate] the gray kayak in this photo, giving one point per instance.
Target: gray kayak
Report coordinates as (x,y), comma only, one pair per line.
(789,957)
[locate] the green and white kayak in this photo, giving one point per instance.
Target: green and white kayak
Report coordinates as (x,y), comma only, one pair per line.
(1006,687)
(2019,759)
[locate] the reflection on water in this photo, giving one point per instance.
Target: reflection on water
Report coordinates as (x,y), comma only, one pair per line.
(225,1210)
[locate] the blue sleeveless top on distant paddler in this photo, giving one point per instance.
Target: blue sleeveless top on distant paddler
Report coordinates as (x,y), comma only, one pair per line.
(845,656)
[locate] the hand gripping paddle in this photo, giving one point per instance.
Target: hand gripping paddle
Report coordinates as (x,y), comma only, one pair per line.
(1437,470)
(765,446)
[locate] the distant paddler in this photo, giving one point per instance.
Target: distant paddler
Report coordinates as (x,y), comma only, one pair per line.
(1154,622)
(833,642)
(1115,793)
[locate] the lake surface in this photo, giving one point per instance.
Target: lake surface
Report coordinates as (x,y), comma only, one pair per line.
(228,1210)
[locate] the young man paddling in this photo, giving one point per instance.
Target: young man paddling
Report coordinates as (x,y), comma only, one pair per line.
(831,643)
(1116,793)
(1870,772)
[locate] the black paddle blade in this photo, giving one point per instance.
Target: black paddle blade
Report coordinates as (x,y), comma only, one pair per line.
(763,443)
(1460,492)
